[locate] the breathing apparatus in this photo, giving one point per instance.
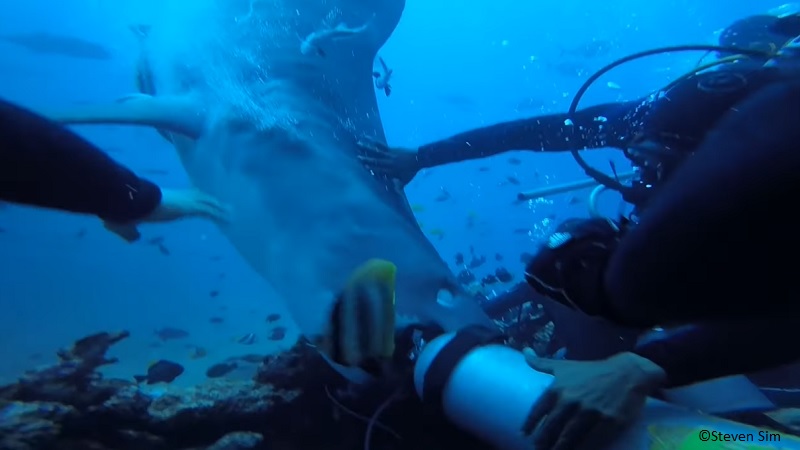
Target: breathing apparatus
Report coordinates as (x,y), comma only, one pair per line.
(789,51)
(571,265)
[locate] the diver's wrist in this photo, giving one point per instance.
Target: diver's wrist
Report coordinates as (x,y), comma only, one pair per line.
(649,376)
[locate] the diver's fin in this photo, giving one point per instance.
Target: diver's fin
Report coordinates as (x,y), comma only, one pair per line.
(178,114)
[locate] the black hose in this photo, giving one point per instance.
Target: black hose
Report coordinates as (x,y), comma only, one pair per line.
(601,177)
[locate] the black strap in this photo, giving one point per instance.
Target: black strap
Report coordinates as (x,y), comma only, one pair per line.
(442,366)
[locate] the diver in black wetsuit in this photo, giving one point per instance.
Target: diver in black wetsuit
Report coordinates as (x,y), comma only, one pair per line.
(719,154)
(44,164)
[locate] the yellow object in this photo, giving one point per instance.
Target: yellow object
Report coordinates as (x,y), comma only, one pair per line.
(362,321)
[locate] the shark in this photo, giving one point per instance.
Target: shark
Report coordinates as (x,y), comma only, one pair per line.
(305,213)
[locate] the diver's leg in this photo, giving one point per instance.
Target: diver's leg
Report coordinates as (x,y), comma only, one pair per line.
(721,238)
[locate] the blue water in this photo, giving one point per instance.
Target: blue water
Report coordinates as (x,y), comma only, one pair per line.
(458,65)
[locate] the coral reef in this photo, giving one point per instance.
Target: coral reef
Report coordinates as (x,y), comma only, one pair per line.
(70,406)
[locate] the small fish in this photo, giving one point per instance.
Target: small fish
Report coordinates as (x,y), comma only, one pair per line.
(216,320)
(438,232)
(513,180)
(443,196)
(476,261)
(156,240)
(163,249)
(503,275)
(312,42)
(213,294)
(274,317)
(247,339)
(197,352)
(277,334)
(362,320)
(383,77)
(514,161)
(161,371)
(221,369)
(169,333)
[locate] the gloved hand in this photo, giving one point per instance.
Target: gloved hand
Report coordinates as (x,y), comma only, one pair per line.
(175,205)
(589,402)
(393,162)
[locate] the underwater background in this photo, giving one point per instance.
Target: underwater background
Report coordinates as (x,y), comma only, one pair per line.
(457,65)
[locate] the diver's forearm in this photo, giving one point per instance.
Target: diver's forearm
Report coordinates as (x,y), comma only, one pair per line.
(44,164)
(721,349)
(595,127)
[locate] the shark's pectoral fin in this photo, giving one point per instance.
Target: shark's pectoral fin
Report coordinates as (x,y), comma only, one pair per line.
(178,114)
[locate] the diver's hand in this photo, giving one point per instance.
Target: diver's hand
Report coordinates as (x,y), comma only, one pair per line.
(183,204)
(589,401)
(175,205)
(393,162)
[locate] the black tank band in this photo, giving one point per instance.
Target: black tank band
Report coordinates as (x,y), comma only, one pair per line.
(443,364)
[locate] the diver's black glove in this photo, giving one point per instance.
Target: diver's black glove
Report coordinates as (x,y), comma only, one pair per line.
(570,266)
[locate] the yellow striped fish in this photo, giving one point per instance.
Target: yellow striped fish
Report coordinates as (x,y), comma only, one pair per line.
(362,322)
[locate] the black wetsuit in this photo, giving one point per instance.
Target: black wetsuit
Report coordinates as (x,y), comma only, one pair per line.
(716,244)
(44,164)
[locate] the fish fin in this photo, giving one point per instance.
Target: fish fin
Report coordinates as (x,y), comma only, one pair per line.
(140,378)
(376,74)
(179,114)
(383,64)
(388,90)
